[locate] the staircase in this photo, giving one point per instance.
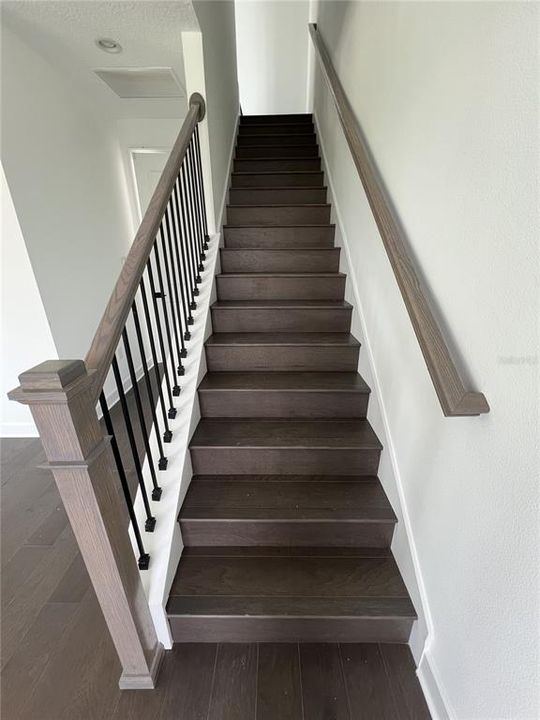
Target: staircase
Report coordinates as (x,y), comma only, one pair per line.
(286,527)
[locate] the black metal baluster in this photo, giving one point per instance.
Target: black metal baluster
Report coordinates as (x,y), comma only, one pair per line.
(190,237)
(150,523)
(162,464)
(173,292)
(144,558)
(156,490)
(167,434)
(192,177)
(176,242)
(162,295)
(201,186)
(182,240)
(191,208)
(171,414)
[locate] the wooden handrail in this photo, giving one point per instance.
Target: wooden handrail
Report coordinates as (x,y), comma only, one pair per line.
(107,336)
(455,398)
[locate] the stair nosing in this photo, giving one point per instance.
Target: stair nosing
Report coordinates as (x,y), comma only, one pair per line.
(277,205)
(279,172)
(282,249)
(281,187)
(280,157)
(281,274)
(276,227)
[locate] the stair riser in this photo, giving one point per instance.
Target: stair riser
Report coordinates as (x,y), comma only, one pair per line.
(279,237)
(261,629)
(280,180)
(276,404)
(289,118)
(286,533)
(235,287)
(281,319)
(277,151)
(284,461)
(280,140)
(279,215)
(276,261)
(276,196)
(254,166)
(266,358)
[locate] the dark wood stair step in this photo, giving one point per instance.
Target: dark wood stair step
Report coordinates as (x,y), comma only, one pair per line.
(276,151)
(276,119)
(275,164)
(300,214)
(281,316)
(267,352)
(281,286)
(288,447)
(271,139)
(286,513)
(282,128)
(256,260)
(308,178)
(283,394)
(277,195)
(316,596)
(284,236)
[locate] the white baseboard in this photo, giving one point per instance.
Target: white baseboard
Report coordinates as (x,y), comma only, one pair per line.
(428,680)
(432,687)
(18,430)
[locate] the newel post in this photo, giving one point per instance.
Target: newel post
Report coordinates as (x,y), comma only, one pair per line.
(60,399)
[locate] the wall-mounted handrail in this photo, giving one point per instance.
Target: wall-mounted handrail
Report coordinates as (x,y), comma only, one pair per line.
(455,398)
(109,331)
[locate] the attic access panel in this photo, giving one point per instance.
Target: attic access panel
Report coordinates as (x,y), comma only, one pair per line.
(138,83)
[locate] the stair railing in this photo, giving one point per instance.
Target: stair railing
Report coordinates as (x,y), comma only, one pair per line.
(455,398)
(140,344)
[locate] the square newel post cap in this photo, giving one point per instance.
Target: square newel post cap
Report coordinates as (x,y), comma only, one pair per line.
(52,377)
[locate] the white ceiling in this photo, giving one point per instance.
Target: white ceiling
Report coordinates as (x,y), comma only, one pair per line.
(64,33)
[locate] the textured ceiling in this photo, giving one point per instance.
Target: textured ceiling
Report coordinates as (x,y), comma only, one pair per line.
(149,31)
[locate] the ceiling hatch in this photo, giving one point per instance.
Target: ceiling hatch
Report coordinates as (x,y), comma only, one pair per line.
(153,82)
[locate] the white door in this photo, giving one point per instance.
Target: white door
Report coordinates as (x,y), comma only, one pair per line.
(148,166)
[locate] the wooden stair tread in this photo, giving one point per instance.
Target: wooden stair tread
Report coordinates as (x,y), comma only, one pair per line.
(286,478)
(282,274)
(277,251)
(278,172)
(333,304)
(285,433)
(277,205)
(304,381)
(283,550)
(286,339)
(284,500)
(289,577)
(276,227)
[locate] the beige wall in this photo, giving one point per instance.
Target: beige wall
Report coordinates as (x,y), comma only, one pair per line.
(447,94)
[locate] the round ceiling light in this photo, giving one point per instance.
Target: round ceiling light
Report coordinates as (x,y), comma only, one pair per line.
(108,45)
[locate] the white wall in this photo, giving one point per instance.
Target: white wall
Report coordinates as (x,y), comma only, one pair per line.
(447,94)
(216,20)
(272,47)
(25,335)
(66,177)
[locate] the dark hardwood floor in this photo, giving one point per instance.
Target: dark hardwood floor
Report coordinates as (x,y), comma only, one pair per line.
(58,662)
